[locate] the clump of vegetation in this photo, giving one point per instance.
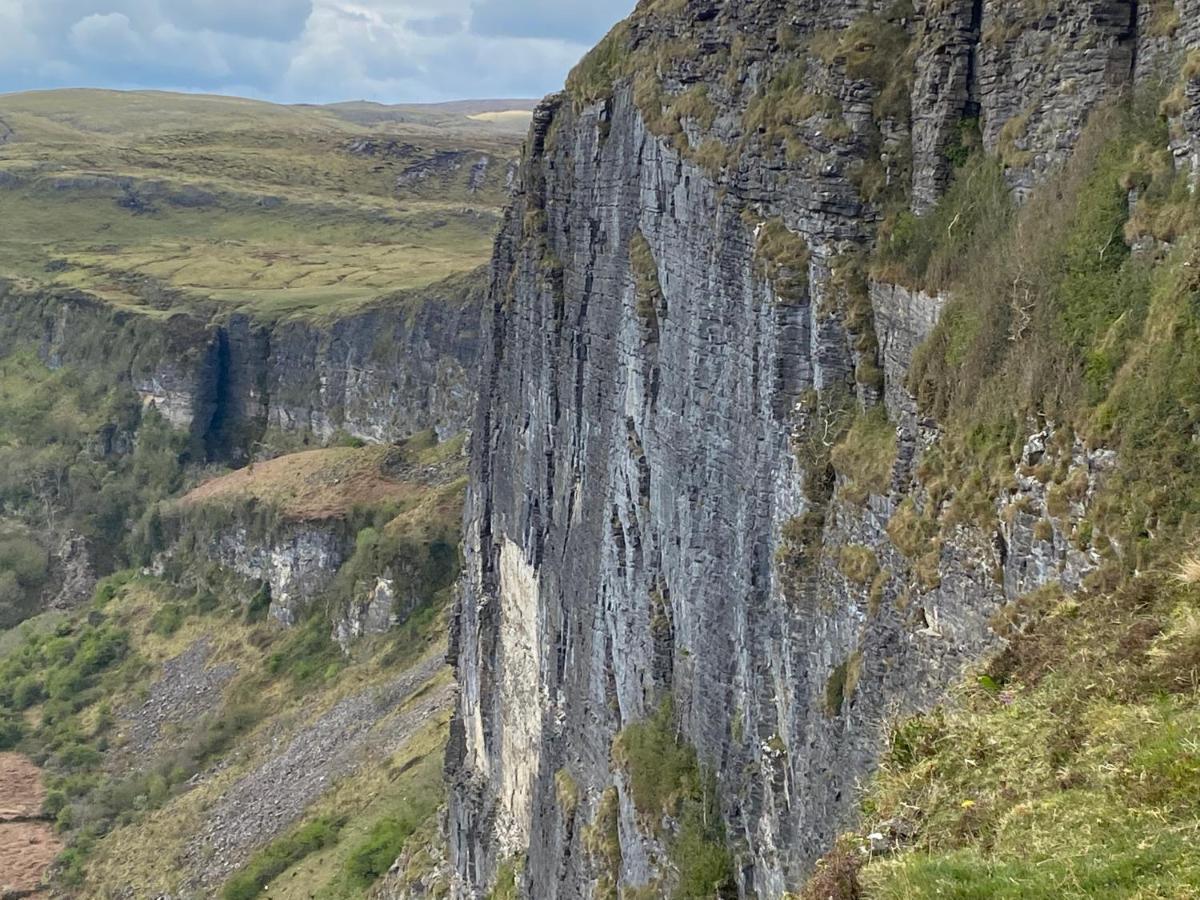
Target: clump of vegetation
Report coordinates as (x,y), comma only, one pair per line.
(866,455)
(827,417)
(24,568)
(836,874)
(279,856)
(1164,18)
(858,563)
(372,859)
(505,887)
(842,683)
(602,841)
(662,770)
(783,256)
(595,75)
(647,287)
(308,655)
(875,48)
(930,251)
(849,291)
(666,782)
(566,791)
(786,101)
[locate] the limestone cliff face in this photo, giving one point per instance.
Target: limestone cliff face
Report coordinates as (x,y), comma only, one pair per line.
(382,373)
(656,376)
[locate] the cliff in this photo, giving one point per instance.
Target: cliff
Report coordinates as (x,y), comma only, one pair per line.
(708,517)
(381,373)
(370,530)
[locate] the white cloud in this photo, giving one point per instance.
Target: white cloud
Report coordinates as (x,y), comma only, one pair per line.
(105,37)
(302,50)
(17,41)
(278,20)
(582,21)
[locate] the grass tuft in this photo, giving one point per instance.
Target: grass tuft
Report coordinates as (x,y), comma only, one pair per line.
(1189,570)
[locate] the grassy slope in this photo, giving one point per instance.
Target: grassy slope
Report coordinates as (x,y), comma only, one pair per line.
(160,198)
(132,853)
(316,484)
(1070,766)
(123,824)
(65,679)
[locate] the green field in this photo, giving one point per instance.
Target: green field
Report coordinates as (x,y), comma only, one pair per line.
(164,200)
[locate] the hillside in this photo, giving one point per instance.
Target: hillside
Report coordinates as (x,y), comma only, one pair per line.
(231,496)
(263,689)
(168,200)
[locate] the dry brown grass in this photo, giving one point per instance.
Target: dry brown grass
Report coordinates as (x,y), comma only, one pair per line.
(21,791)
(316,484)
(836,874)
(1189,570)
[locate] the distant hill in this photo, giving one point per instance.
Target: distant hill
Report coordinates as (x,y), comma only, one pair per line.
(154,199)
(506,115)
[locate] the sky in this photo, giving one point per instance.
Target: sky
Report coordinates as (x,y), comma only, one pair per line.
(292,51)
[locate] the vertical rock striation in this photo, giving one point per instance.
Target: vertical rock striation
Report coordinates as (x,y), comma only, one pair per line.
(677,323)
(381,373)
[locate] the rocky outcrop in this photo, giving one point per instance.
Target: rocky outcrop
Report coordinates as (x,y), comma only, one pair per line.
(296,561)
(1042,68)
(1183,106)
(394,368)
(945,93)
(382,374)
(650,513)
(903,319)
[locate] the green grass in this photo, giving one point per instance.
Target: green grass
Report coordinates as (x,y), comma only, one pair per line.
(647,287)
(505,887)
(1071,770)
(279,856)
(661,768)
(665,779)
(50,476)
(930,251)
(783,256)
(387,808)
(865,456)
(152,200)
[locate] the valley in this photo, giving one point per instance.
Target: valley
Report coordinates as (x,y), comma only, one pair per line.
(766,469)
(232,494)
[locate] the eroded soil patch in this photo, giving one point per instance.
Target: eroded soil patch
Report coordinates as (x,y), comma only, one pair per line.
(27,845)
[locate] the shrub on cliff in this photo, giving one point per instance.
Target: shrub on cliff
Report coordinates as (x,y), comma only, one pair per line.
(1069,768)
(667,783)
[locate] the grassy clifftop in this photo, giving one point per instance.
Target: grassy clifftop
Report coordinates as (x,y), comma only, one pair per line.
(158,200)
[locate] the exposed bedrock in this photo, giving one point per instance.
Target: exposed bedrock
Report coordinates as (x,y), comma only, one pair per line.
(381,373)
(648,379)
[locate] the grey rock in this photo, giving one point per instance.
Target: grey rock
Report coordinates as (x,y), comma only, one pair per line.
(392,369)
(296,769)
(187,689)
(632,480)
